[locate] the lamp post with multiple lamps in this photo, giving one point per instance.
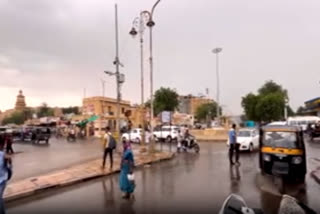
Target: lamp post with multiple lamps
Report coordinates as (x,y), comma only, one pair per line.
(139,23)
(217,51)
(146,18)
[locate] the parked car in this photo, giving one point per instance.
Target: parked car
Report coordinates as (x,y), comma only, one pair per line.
(135,135)
(248,139)
(3,129)
(167,133)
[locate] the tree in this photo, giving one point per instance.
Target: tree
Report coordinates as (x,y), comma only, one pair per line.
(249,103)
(268,104)
(206,111)
(15,118)
(165,99)
(290,111)
(301,110)
(27,113)
(45,111)
(271,87)
(71,109)
(270,107)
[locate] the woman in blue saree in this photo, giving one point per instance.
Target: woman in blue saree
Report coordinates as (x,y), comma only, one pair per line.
(127,163)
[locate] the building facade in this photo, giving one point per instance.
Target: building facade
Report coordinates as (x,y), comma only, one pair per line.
(313,107)
(20,103)
(189,104)
(106,109)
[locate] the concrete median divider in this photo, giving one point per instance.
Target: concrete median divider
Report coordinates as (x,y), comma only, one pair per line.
(213,135)
(75,174)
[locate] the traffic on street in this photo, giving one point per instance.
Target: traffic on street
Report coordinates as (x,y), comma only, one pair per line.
(159,107)
(190,183)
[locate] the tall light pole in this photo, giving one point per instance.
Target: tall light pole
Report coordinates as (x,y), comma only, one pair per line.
(150,23)
(140,22)
(217,51)
(102,104)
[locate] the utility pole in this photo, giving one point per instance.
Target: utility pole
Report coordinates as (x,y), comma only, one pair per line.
(117,63)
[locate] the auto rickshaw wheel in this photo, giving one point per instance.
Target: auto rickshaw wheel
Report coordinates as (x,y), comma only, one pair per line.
(301,179)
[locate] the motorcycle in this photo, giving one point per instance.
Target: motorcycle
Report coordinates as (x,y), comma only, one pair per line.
(189,143)
(71,138)
(235,204)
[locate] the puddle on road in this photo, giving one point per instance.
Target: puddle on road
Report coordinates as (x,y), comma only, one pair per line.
(271,185)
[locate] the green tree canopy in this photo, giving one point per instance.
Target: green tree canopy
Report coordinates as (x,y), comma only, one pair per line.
(249,103)
(71,109)
(271,87)
(206,111)
(301,110)
(270,107)
(17,118)
(268,104)
(165,99)
(45,111)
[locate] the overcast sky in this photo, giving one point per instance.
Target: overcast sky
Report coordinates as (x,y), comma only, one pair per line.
(52,50)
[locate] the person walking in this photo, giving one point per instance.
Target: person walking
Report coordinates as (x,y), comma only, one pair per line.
(233,145)
(5,172)
(147,136)
(179,140)
(109,145)
(126,179)
(8,143)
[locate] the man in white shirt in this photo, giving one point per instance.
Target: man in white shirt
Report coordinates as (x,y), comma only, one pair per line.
(107,148)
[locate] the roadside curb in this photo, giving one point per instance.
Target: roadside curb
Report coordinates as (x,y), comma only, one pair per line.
(212,140)
(73,175)
(316,175)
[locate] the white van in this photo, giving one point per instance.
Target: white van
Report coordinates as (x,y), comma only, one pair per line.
(303,121)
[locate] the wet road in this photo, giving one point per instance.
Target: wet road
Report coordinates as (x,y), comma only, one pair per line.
(189,183)
(36,159)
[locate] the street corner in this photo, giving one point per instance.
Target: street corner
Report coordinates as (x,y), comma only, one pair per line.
(316,174)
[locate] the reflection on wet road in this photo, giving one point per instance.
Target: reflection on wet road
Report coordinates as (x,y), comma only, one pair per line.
(190,183)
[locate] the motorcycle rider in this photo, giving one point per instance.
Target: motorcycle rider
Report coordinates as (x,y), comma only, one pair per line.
(186,138)
(72,134)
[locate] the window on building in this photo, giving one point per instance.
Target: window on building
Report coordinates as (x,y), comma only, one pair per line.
(122,110)
(109,109)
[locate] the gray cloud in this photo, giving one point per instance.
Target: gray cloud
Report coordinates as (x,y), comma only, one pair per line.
(54,49)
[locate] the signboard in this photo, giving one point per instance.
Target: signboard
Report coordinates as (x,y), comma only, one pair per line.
(93,118)
(166,117)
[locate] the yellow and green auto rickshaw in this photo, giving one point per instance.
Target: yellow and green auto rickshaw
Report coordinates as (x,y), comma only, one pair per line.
(282,152)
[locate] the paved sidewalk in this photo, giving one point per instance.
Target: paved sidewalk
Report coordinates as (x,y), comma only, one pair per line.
(74,174)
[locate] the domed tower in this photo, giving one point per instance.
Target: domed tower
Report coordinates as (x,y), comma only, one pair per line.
(20,103)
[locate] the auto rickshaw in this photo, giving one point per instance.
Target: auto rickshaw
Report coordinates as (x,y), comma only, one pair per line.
(282,152)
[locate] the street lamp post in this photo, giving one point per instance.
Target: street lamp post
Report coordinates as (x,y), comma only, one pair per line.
(140,22)
(103,82)
(217,51)
(149,23)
